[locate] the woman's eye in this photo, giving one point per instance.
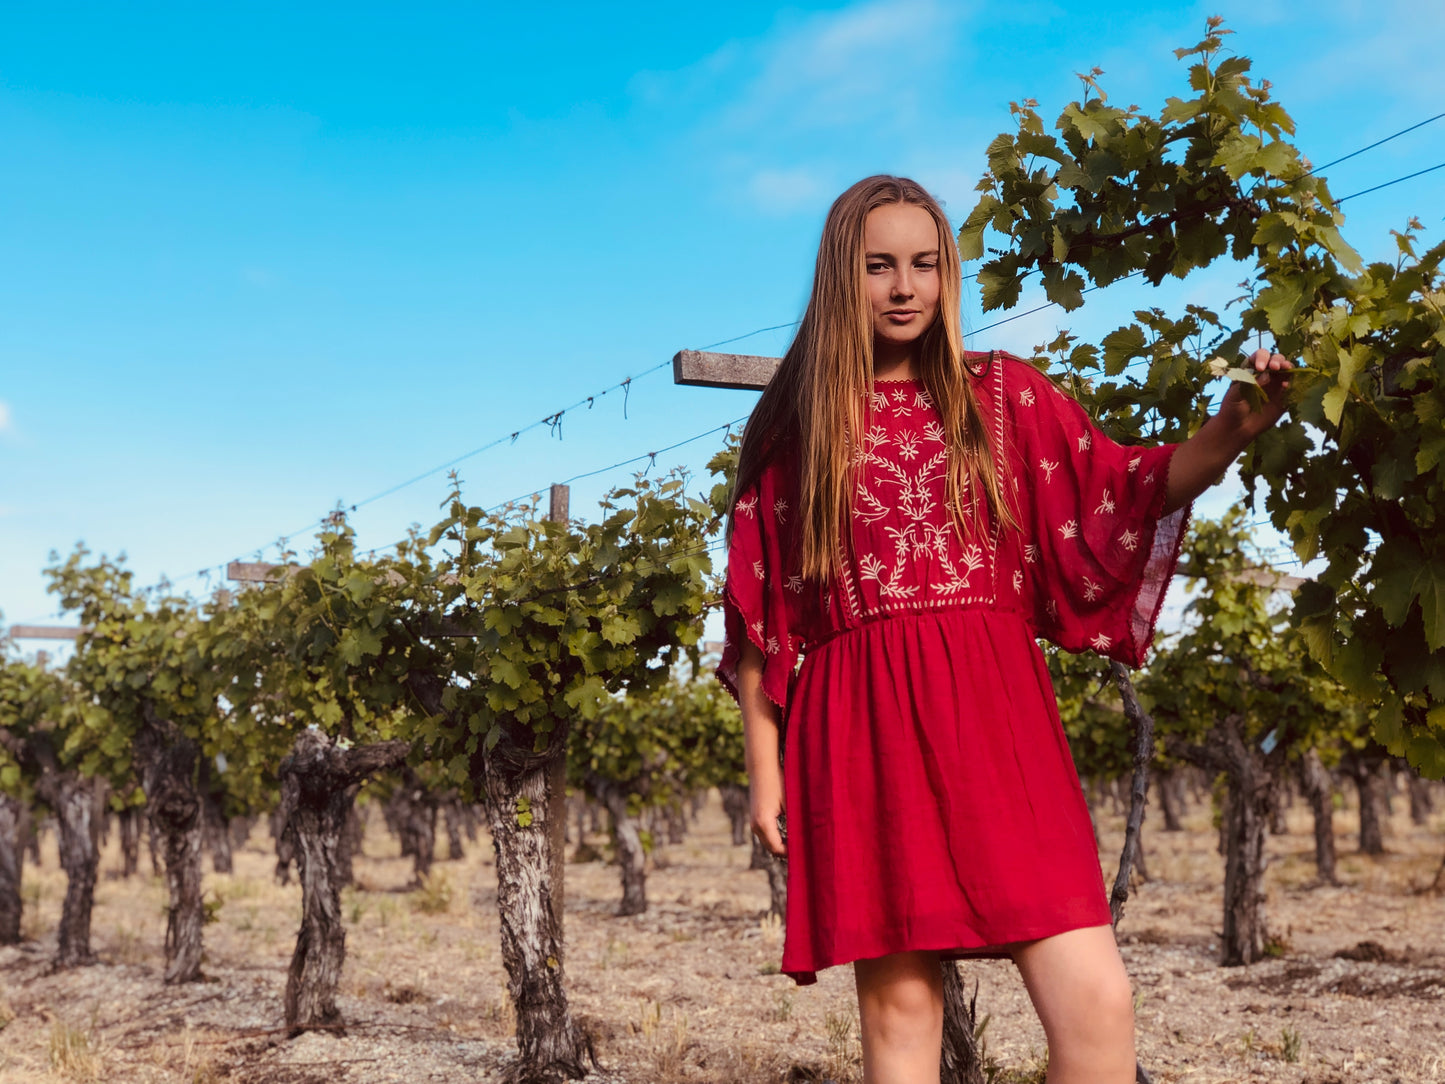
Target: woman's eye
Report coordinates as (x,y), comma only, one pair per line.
(876,268)
(926,265)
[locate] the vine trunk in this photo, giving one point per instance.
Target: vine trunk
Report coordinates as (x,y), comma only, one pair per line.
(552,1047)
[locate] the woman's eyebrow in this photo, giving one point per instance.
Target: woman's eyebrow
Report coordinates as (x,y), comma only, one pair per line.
(890,256)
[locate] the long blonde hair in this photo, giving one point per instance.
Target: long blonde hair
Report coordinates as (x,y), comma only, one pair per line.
(816,399)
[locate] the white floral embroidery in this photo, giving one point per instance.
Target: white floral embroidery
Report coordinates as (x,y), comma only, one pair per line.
(1069,529)
(780,508)
(880,401)
(1048,467)
(1149,478)
(757,627)
(795,584)
(1031,553)
(1100,642)
(1134,463)
(1026,397)
(1106,505)
(1129,540)
(748,505)
(1018,579)
(871,567)
(1052,609)
(1091,589)
(972,560)
(872,509)
(773,645)
(1085,442)
(899,493)
(758,569)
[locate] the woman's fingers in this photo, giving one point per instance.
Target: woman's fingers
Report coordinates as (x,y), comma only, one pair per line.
(766,829)
(1264,360)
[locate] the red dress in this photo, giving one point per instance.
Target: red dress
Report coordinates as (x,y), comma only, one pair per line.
(932,802)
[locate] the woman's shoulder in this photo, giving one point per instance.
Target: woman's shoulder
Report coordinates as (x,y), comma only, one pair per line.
(1023,386)
(1005,379)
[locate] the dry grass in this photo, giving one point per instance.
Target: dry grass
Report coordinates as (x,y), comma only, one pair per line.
(72,1055)
(689,990)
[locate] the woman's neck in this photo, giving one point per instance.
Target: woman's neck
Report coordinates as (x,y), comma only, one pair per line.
(893,361)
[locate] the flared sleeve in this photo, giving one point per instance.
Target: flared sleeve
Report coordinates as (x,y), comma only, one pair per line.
(1098,551)
(763,588)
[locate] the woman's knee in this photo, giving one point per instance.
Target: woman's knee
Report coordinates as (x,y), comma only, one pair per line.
(900,997)
(1110,1000)
(1080,989)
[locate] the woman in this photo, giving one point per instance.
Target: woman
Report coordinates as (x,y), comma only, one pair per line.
(907,519)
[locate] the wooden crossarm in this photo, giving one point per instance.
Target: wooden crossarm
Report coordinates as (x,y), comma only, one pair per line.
(701,369)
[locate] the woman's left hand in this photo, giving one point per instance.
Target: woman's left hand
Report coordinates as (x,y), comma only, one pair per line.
(1240,412)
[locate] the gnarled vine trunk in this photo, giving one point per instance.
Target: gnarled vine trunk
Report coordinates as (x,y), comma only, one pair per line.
(1171,800)
(167,762)
(285,847)
(451,812)
(758,859)
(11,867)
(1317,789)
(631,858)
(349,845)
(676,822)
(1279,808)
(960,1063)
(1421,801)
(551,1045)
(777,871)
(318,787)
(1246,811)
(71,798)
(130,826)
(1368,773)
(412,814)
(215,826)
(735,805)
(1244,826)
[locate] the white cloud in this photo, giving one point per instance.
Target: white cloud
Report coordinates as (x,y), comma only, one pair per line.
(779,118)
(865,64)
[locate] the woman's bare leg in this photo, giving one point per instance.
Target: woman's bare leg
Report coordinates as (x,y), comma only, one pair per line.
(1081,992)
(900,1004)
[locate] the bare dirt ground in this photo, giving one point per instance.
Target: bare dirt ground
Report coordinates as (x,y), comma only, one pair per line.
(690,992)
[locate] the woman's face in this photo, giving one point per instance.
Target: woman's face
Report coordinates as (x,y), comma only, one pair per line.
(900,245)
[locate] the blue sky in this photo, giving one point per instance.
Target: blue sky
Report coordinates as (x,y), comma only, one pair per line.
(258,259)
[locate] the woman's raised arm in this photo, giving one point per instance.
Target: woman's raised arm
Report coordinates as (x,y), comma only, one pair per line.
(1202,459)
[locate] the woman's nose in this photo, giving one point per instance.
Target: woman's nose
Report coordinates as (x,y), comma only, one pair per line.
(903,284)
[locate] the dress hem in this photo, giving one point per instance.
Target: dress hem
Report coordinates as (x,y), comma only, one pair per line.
(949,949)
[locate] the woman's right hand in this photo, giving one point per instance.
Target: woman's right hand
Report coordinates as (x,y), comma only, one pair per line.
(765,797)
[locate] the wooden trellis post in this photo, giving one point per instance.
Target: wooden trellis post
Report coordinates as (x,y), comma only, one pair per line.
(44,632)
(557,512)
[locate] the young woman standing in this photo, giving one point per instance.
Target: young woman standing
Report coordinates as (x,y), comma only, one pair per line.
(908,518)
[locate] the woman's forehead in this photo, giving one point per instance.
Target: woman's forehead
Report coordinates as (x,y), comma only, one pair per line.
(896,227)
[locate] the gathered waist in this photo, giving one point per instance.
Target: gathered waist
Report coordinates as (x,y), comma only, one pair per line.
(940,616)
